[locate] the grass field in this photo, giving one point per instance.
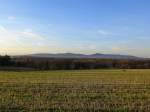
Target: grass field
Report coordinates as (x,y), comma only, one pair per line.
(75,91)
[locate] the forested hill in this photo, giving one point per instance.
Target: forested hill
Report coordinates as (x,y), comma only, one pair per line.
(38,63)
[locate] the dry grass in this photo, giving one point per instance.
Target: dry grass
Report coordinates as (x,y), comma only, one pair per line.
(75,91)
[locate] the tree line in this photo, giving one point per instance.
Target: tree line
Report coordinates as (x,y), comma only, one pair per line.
(5,61)
(71,64)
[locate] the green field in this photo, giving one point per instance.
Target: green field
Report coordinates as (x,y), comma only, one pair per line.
(75,91)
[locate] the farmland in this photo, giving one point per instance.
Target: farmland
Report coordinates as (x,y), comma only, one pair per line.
(75,91)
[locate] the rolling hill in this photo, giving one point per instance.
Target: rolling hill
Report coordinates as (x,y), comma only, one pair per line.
(73,55)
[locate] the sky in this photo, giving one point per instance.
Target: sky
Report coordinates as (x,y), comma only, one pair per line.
(75,26)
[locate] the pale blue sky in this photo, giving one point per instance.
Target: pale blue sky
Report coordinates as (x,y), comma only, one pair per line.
(78,26)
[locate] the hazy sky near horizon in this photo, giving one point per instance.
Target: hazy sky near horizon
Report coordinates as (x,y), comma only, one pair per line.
(78,26)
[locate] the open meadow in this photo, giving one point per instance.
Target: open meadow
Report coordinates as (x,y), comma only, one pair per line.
(75,91)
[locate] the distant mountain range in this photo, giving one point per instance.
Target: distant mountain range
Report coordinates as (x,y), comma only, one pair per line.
(73,55)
